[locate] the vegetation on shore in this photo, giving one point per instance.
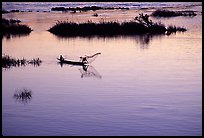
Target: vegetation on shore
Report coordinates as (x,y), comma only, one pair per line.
(5,11)
(86,8)
(167,13)
(12,27)
(8,62)
(140,25)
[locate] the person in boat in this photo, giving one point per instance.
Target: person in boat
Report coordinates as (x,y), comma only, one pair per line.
(84,60)
(61,58)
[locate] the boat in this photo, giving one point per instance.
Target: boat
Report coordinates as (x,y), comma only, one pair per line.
(88,59)
(71,62)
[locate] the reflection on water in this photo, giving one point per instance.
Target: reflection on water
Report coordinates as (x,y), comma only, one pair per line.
(143,40)
(23,96)
(85,70)
(10,36)
(89,71)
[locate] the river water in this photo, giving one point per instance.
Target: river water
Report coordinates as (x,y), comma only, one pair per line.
(138,85)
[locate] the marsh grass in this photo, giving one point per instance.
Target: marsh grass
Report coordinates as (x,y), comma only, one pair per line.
(23,95)
(103,28)
(140,25)
(12,27)
(175,29)
(8,62)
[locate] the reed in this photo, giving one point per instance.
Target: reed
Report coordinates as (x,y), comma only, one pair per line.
(23,95)
(140,25)
(8,61)
(175,29)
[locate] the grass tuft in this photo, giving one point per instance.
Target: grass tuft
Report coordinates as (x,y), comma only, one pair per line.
(8,62)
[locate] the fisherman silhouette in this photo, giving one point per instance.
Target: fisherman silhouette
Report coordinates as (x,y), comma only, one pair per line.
(84,60)
(61,58)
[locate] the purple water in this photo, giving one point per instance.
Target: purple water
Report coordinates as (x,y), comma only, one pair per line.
(138,86)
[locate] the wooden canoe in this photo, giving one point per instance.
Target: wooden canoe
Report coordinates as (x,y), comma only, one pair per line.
(71,62)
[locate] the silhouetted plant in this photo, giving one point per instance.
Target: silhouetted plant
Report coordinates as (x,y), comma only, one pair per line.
(174,29)
(35,62)
(13,27)
(95,14)
(8,62)
(144,20)
(141,25)
(23,95)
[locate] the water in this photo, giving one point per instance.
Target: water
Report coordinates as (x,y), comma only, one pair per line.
(46,6)
(139,85)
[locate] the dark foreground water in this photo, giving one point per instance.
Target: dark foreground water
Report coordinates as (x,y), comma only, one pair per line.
(139,85)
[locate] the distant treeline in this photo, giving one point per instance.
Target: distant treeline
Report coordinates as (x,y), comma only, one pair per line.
(141,25)
(87,8)
(5,11)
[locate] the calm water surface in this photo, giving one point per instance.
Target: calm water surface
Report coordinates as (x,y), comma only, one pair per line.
(139,85)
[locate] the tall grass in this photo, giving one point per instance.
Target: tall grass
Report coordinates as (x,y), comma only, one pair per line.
(66,28)
(23,95)
(8,61)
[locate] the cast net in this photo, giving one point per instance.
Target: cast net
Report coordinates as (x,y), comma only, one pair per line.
(91,58)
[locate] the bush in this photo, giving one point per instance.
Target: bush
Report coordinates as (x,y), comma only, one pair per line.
(140,25)
(12,27)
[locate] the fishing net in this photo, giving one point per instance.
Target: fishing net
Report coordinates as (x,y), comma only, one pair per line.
(89,71)
(90,59)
